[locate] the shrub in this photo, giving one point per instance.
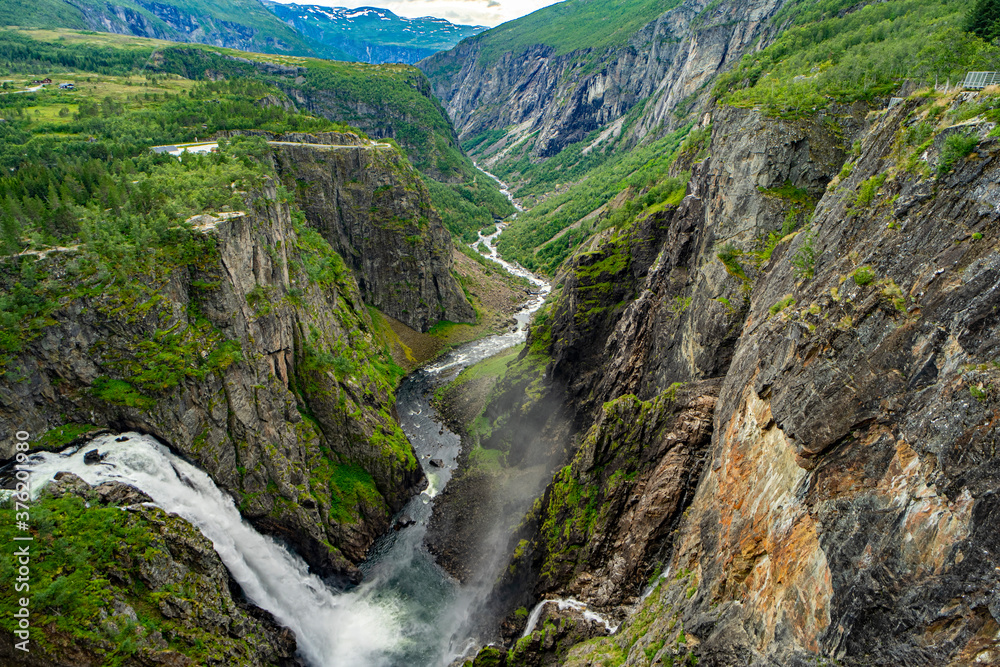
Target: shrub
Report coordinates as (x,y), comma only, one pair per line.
(867,191)
(729,255)
(863,275)
(845,171)
(785,302)
(956,147)
(804,259)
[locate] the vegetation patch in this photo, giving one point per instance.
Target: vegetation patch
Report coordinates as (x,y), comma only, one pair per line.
(804,259)
(956,147)
(863,275)
(57,438)
(830,55)
(783,303)
(86,561)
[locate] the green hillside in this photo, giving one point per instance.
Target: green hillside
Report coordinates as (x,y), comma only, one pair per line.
(829,56)
(42,14)
(391,101)
(575,24)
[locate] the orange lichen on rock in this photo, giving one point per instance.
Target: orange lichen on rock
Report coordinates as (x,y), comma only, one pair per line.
(768,543)
(932,524)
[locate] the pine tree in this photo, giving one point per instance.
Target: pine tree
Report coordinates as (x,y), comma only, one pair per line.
(983,19)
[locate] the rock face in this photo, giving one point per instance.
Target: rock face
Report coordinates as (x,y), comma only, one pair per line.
(257,360)
(374,210)
(198,617)
(654,306)
(846,509)
(554,100)
(608,516)
(857,428)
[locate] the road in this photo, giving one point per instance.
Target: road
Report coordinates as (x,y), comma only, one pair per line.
(209,146)
(33,89)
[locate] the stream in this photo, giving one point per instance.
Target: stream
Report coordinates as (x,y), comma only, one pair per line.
(407,612)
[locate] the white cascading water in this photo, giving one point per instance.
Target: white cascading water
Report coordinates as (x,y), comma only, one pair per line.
(504,190)
(563,605)
(332,630)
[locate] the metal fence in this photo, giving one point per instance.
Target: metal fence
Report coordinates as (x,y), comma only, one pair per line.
(978,80)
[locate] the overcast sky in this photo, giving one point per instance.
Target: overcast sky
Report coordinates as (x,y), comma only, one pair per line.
(470,12)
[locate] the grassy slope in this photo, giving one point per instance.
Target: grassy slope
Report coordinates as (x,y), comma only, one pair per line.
(825,57)
(41,14)
(571,25)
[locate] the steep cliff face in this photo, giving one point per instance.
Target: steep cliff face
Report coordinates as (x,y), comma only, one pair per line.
(165,598)
(608,516)
(551,99)
(651,305)
(846,509)
(855,438)
(253,355)
(374,210)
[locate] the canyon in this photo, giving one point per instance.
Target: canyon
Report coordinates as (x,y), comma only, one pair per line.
(747,417)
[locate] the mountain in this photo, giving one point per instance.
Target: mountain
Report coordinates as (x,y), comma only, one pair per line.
(369,34)
(239,24)
(366,34)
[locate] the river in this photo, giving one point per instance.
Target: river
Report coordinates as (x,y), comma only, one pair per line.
(407,612)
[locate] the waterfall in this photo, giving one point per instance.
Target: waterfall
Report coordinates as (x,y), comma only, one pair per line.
(408,612)
(345,630)
(563,605)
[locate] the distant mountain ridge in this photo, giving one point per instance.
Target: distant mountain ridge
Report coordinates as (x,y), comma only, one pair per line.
(371,34)
(237,24)
(367,34)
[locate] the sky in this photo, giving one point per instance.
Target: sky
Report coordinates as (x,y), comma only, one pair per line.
(470,12)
